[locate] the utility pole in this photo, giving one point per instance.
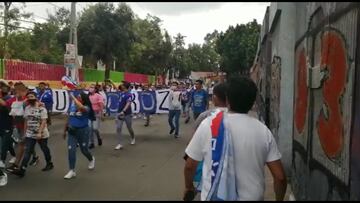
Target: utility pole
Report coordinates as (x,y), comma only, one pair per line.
(73,40)
(6,24)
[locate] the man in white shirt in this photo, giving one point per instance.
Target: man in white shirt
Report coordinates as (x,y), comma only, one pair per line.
(254,147)
(174,109)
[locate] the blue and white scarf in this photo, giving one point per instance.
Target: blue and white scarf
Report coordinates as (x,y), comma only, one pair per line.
(223,178)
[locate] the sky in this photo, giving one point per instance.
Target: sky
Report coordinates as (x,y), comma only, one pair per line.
(192,19)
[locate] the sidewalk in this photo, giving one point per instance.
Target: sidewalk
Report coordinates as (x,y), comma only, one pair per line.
(269,188)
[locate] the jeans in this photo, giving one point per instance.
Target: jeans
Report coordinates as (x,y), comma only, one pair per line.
(94,128)
(119,124)
(176,114)
(196,115)
(6,144)
(147,116)
(81,136)
(29,149)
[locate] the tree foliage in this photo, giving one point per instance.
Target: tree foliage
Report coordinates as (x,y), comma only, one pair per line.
(105,33)
(113,33)
(237,47)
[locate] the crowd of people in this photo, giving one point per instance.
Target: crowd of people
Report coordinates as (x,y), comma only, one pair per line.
(25,117)
(224,159)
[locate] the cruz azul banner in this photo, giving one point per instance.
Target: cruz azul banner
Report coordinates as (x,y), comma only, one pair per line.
(147,101)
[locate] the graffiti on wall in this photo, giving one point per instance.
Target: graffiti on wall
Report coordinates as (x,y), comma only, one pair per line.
(275,95)
(323,113)
(330,122)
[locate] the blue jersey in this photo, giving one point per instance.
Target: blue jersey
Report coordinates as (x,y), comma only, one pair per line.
(125,98)
(46,98)
(78,118)
(199,100)
(185,96)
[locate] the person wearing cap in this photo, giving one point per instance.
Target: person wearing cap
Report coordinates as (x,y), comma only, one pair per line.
(17,105)
(36,131)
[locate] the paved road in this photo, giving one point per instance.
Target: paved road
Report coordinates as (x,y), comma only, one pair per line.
(150,170)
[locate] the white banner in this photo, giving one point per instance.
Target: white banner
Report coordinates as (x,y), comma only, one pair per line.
(162,101)
(61,101)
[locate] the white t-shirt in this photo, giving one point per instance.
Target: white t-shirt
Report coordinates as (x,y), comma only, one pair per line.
(33,116)
(254,146)
(175,100)
(211,90)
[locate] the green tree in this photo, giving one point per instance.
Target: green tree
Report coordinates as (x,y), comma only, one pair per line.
(61,19)
(11,17)
(104,33)
(46,43)
(179,56)
(237,47)
(21,47)
(150,52)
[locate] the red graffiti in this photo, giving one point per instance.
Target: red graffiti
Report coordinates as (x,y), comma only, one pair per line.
(301,94)
(330,125)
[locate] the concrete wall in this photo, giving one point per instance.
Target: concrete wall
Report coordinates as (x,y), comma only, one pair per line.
(319,141)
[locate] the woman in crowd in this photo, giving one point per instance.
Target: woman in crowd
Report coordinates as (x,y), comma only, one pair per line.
(77,129)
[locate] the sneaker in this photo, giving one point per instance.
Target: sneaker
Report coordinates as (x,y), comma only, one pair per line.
(99,141)
(34,161)
(19,172)
(3,180)
(12,160)
(2,164)
(12,168)
(176,135)
(132,141)
(70,174)
(146,124)
(187,120)
(172,131)
(92,164)
(119,146)
(91,146)
(48,167)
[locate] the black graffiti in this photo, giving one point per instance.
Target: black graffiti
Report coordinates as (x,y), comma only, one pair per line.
(58,103)
(163,101)
(133,97)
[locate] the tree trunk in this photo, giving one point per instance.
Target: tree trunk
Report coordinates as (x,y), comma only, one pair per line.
(108,66)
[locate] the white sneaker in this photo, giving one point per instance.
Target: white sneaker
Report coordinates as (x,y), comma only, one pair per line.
(70,174)
(3,180)
(132,141)
(92,164)
(119,146)
(12,160)
(2,164)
